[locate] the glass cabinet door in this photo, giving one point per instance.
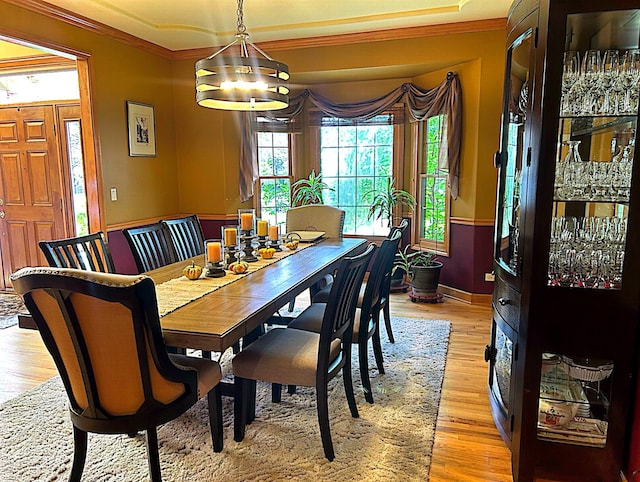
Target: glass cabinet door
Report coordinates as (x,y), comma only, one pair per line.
(511,157)
(595,150)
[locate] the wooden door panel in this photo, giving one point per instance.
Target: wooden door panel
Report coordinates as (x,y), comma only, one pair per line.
(35,130)
(31,184)
(38,169)
(8,132)
(17,233)
(12,185)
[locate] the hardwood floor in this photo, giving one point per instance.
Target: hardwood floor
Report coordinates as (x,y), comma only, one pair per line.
(467,445)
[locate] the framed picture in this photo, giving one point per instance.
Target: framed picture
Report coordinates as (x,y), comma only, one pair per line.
(142,129)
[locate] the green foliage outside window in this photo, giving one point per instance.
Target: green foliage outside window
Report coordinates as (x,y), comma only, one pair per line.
(434,186)
(274,171)
(355,160)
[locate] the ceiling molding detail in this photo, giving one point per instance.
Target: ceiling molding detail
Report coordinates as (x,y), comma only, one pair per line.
(71,18)
(363,37)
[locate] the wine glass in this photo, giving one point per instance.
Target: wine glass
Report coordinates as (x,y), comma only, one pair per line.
(607,101)
(570,75)
(591,76)
(630,75)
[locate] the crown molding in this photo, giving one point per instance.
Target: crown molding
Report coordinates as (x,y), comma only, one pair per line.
(360,37)
(72,18)
(77,20)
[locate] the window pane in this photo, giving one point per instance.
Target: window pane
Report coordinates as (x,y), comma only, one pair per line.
(354,159)
(265,162)
(281,161)
(76,167)
(280,139)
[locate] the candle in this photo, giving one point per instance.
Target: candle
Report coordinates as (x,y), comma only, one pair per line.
(214,252)
(230,235)
(262,227)
(246,221)
(273,233)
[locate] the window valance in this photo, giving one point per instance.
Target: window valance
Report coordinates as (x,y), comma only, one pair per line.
(444,99)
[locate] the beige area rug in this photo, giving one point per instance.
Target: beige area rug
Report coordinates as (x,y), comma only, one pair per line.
(392,439)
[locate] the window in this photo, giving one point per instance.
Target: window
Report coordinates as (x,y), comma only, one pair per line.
(433,196)
(356,157)
(274,183)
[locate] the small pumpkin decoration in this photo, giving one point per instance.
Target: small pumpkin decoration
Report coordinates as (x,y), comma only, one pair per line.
(192,271)
(267,253)
(291,241)
(239,267)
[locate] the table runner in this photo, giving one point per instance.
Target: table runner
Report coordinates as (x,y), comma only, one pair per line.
(177,292)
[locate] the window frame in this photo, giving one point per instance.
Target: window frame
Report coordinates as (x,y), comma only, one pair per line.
(397,162)
(419,155)
(291,148)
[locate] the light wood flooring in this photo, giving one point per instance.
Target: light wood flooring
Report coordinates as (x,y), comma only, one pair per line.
(467,446)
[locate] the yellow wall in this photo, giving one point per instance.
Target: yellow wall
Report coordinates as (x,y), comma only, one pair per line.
(147,187)
(196,169)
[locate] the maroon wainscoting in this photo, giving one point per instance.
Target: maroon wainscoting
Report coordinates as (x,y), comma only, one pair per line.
(470,257)
(121,253)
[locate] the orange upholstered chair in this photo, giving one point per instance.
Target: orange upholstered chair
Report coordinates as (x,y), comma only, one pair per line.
(103,333)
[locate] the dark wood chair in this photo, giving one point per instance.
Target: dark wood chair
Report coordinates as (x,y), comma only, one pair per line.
(298,357)
(151,246)
(322,295)
(82,316)
(90,253)
(186,235)
(366,321)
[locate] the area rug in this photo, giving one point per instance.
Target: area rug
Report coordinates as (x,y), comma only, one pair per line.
(392,439)
(10,306)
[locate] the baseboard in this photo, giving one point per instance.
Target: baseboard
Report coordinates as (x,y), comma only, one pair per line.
(465,296)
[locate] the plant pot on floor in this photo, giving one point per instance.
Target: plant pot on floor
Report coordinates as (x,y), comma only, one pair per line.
(425,280)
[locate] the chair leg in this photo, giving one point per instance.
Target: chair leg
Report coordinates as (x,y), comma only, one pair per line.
(251,406)
(240,403)
(153,456)
(322,403)
(214,400)
(377,346)
(79,454)
(292,305)
(387,321)
(276,392)
(291,389)
(206,354)
(363,359)
(348,389)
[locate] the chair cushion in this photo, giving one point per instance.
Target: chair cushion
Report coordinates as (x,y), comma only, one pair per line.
(209,372)
(311,320)
(283,355)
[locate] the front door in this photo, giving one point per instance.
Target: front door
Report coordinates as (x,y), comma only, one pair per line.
(31,192)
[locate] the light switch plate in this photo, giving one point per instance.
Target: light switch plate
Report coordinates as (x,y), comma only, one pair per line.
(114,194)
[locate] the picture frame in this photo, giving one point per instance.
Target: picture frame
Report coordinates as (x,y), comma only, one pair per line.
(142,129)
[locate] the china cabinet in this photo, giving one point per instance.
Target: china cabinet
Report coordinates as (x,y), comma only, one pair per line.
(562,352)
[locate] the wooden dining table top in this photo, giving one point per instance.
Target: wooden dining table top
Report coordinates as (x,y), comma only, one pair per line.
(219,319)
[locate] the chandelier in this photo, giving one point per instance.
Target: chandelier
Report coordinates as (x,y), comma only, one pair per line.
(247,80)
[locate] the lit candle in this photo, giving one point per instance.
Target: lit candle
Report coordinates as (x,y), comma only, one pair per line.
(262,227)
(273,233)
(230,236)
(246,221)
(214,252)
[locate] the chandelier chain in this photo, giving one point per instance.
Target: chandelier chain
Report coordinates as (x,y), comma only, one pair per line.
(241,26)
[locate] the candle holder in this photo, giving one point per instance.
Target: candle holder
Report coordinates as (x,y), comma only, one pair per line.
(274,237)
(229,244)
(213,268)
(247,248)
(247,221)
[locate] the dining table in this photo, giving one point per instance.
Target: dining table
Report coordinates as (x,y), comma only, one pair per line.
(219,319)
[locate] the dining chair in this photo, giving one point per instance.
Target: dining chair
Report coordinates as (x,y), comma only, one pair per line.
(103,332)
(367,317)
(90,253)
(316,217)
(299,357)
(322,295)
(186,235)
(151,246)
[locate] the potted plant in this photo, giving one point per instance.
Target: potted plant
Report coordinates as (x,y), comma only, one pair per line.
(423,269)
(309,191)
(385,201)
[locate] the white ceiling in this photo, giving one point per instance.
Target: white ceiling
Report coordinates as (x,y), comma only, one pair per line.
(188,24)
